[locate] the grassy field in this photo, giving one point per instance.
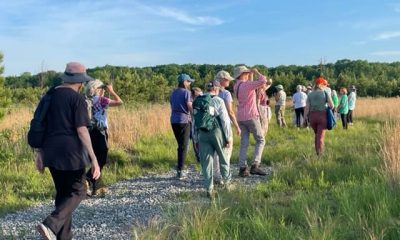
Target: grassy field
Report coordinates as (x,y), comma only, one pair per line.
(351,192)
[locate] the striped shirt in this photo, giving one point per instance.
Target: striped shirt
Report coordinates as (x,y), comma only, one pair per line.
(247,104)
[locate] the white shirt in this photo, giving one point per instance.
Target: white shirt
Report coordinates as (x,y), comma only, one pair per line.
(299,99)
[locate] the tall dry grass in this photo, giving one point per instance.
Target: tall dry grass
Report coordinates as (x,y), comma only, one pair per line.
(390,150)
(129,125)
(378,108)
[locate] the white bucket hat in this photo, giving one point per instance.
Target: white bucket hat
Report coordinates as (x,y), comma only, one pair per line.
(239,70)
(223,75)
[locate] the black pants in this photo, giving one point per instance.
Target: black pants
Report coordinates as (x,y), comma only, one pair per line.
(299,112)
(350,116)
(344,120)
(182,133)
(100,146)
(70,191)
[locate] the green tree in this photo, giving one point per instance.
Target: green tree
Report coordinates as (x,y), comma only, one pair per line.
(5,94)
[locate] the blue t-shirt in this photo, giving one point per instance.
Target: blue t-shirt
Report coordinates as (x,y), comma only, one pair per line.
(179,110)
(225,95)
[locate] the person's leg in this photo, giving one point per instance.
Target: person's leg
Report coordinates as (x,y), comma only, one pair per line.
(321,126)
(244,144)
(301,116)
(282,112)
(182,133)
(314,125)
(297,111)
(100,147)
(278,115)
(70,190)
(216,169)
(350,117)
(223,155)
(206,151)
(255,128)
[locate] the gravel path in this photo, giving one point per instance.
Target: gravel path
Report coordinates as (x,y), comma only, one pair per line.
(127,205)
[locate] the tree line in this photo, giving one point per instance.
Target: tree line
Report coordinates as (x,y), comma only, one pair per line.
(154,84)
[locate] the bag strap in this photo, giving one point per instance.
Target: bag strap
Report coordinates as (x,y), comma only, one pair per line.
(46,103)
(237,90)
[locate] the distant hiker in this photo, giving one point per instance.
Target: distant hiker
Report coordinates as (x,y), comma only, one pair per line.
(335,100)
(181,107)
(316,112)
(195,93)
(263,106)
(94,92)
(214,133)
(280,104)
(352,104)
(299,103)
(224,79)
(343,107)
(66,151)
(249,118)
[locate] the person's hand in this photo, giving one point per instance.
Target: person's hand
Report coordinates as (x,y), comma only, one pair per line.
(95,169)
(269,81)
(109,87)
(39,162)
(255,70)
(238,131)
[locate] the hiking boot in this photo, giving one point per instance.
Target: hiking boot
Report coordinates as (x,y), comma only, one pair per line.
(244,172)
(211,195)
(100,191)
(46,232)
(88,188)
(219,182)
(256,170)
(181,175)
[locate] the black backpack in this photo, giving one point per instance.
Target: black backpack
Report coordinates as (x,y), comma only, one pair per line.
(38,124)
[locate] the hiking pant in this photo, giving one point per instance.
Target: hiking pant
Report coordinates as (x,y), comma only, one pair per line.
(350,116)
(318,122)
(299,114)
(99,141)
(209,143)
(344,120)
(228,155)
(280,115)
(246,127)
(182,134)
(70,191)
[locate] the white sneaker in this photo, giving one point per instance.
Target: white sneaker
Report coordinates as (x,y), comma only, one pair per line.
(46,232)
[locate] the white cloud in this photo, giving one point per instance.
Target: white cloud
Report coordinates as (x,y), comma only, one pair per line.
(184,17)
(386,53)
(387,35)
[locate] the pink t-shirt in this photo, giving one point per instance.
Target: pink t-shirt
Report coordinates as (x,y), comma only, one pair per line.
(247,104)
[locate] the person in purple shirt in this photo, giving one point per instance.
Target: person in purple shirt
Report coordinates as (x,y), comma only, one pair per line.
(181,107)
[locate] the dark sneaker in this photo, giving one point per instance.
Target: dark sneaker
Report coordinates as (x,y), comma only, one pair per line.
(256,170)
(211,195)
(46,232)
(181,174)
(244,172)
(218,182)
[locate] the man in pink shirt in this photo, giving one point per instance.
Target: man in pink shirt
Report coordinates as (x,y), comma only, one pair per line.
(248,118)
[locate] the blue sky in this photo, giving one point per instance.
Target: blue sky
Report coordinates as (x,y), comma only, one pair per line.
(46,34)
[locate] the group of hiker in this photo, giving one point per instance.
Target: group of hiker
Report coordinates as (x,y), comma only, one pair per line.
(207,118)
(76,131)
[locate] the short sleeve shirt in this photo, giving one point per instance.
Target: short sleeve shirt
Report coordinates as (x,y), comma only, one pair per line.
(62,148)
(225,95)
(179,110)
(99,113)
(317,100)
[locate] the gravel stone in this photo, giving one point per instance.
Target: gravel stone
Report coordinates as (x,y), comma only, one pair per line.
(126,206)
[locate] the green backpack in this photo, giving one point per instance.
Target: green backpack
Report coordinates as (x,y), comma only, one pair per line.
(203,119)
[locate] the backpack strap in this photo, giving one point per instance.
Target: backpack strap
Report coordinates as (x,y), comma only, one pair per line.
(237,90)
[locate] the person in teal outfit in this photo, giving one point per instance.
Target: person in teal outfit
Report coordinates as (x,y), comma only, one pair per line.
(215,140)
(343,107)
